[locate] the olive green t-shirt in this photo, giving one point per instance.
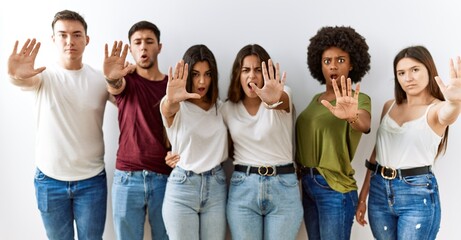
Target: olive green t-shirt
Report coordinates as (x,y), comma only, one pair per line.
(328,143)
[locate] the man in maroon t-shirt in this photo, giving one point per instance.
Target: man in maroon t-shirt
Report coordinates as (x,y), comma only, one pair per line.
(141,173)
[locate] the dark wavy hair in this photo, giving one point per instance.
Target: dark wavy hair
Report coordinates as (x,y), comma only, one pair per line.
(235,92)
(422,55)
(200,53)
(144,25)
(345,38)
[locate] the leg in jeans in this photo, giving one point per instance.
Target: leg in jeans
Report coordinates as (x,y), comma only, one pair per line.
(156,192)
(213,222)
(90,203)
(129,205)
(55,206)
(191,205)
(328,214)
(406,208)
(264,207)
(283,211)
(243,209)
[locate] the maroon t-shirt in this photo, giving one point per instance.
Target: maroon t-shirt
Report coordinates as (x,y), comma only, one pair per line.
(142,138)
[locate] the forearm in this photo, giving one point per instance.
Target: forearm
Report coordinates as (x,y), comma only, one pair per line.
(169,109)
(449,112)
(27,83)
(115,87)
(361,122)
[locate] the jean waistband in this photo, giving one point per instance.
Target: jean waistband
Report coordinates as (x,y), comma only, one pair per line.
(212,171)
(390,173)
(308,171)
(266,170)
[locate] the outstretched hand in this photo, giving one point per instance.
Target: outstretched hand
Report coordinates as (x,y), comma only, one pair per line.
(452,91)
(347,102)
(115,65)
(176,88)
(21,64)
(272,90)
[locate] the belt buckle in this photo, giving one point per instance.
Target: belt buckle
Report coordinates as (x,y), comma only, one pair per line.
(266,171)
(393,173)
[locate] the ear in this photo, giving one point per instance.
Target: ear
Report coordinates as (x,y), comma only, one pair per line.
(350,69)
(159,47)
(87,40)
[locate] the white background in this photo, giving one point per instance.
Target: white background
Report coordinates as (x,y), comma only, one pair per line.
(283,28)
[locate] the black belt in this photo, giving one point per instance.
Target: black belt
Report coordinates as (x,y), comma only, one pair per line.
(308,171)
(266,170)
(390,173)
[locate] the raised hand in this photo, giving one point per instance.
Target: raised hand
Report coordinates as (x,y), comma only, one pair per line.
(115,65)
(176,88)
(452,91)
(347,102)
(21,64)
(273,85)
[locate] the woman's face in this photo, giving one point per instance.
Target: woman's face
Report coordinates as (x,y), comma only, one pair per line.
(201,78)
(335,63)
(413,76)
(251,72)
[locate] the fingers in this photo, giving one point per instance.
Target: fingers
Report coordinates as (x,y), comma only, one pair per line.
(271,70)
(15,48)
(343,86)
(106,51)
(439,82)
(327,105)
(357,91)
(125,51)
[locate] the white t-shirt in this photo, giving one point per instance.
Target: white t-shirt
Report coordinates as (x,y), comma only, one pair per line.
(414,144)
(198,136)
(69,116)
(261,140)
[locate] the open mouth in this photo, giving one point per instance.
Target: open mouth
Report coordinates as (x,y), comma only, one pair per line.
(334,76)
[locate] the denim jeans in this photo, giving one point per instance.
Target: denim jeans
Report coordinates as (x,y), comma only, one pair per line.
(195,205)
(404,208)
(135,194)
(328,214)
(63,202)
(264,207)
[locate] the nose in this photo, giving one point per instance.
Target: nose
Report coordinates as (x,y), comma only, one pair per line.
(333,65)
(407,77)
(201,79)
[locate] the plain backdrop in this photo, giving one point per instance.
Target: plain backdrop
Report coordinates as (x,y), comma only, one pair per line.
(283,28)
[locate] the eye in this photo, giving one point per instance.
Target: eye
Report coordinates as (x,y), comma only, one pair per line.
(78,35)
(326,61)
(245,70)
(400,74)
(341,60)
(195,74)
(208,74)
(415,69)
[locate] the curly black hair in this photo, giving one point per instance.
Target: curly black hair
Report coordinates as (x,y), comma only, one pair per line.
(345,38)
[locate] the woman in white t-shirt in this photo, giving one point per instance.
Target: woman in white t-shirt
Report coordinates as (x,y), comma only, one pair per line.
(264,200)
(404,198)
(194,206)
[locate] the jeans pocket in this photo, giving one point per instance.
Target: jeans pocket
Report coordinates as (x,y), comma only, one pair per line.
(237,178)
(418,181)
(39,176)
(321,182)
(288,180)
(220,177)
(120,177)
(177,177)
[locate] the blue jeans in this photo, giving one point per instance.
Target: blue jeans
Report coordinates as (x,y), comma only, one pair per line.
(195,205)
(404,208)
(328,214)
(264,207)
(63,202)
(135,194)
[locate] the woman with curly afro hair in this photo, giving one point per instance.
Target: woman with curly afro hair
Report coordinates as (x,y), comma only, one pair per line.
(329,130)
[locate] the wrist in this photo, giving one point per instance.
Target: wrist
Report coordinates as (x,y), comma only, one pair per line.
(272,106)
(353,119)
(114,83)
